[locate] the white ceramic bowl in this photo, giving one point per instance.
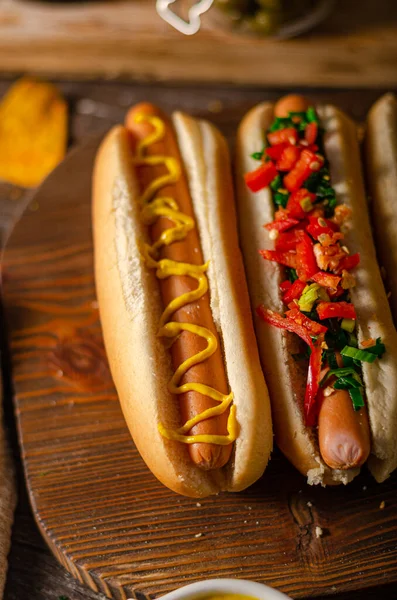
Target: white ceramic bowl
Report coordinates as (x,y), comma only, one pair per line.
(225,586)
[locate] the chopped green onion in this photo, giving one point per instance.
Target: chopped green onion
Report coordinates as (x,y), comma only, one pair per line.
(291,274)
(281,199)
(257,155)
(281,123)
(311,115)
(353,341)
(348,325)
(357,398)
(331,359)
(308,297)
(335,340)
(301,115)
(342,372)
(379,348)
(322,294)
(349,362)
(313,181)
(346,383)
(325,190)
(301,124)
(329,207)
(357,354)
(276,183)
(306,204)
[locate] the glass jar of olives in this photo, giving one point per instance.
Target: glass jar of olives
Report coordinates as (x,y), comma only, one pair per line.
(274,18)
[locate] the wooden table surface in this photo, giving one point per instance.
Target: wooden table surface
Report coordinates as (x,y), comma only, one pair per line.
(355,46)
(94,107)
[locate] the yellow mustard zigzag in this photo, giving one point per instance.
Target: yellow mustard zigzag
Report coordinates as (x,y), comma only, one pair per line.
(153,207)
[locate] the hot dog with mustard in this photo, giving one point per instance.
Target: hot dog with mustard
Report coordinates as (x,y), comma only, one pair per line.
(326,337)
(174,306)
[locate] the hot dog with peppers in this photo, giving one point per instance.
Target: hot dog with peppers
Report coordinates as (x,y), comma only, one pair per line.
(326,337)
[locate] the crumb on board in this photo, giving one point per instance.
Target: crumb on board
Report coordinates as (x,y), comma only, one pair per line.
(309,504)
(198,535)
(319,532)
(198,504)
(382,505)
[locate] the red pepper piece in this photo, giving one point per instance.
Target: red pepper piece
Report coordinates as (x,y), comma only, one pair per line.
(335,293)
(313,376)
(305,259)
(282,224)
(326,280)
(348,263)
(285,286)
(273,318)
(287,241)
(313,384)
(307,164)
(311,132)
(312,327)
(281,214)
(261,177)
(288,135)
(316,226)
(295,201)
(329,310)
(288,158)
(275,152)
(313,148)
(287,259)
(294,292)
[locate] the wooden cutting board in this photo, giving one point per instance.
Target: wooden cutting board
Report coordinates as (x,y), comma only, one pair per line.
(106,518)
(356,46)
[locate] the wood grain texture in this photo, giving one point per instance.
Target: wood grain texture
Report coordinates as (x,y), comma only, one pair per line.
(357,46)
(103,514)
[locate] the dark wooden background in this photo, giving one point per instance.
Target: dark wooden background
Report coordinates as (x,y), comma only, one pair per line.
(34,574)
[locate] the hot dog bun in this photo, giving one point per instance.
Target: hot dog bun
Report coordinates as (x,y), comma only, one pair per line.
(130,310)
(284,376)
(381,162)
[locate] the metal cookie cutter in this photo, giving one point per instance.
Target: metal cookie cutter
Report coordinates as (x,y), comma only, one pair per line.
(188,27)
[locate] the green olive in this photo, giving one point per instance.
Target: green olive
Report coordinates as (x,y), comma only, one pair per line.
(263,23)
